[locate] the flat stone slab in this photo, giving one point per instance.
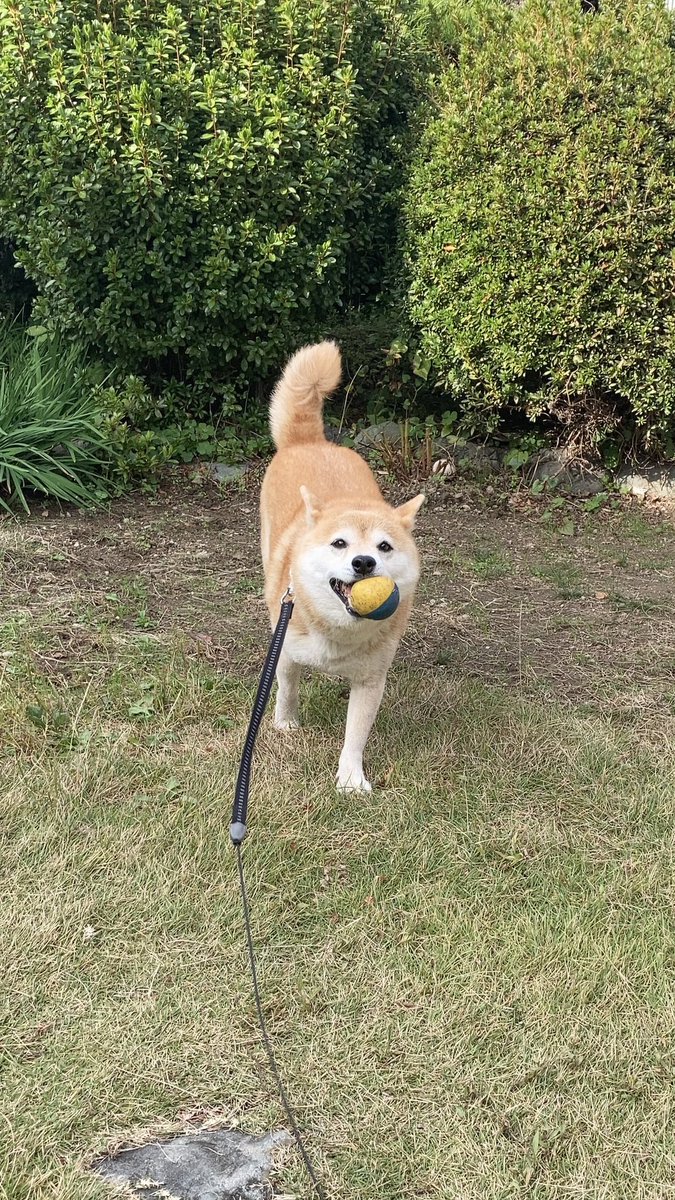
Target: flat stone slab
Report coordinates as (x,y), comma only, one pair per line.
(224,473)
(556,467)
(212,1164)
(385,432)
(657,483)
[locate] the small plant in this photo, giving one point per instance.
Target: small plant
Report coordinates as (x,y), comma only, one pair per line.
(594,503)
(387,376)
(414,455)
(147,432)
(565,576)
(51,438)
(490,564)
(412,369)
(225,441)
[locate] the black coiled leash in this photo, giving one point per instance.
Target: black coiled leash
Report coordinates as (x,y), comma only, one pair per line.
(238,824)
(238,833)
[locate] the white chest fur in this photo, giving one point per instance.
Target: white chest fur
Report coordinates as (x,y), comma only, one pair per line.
(351,655)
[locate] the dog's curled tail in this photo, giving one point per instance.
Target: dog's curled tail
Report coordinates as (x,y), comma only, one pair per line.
(296,406)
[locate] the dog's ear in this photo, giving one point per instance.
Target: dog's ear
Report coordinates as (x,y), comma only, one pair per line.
(311,505)
(407,512)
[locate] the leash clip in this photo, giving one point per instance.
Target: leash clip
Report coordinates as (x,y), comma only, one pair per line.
(288,594)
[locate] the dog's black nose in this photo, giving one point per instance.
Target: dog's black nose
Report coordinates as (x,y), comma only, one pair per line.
(363,564)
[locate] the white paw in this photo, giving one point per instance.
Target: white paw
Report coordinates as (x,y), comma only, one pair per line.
(353,780)
(286,723)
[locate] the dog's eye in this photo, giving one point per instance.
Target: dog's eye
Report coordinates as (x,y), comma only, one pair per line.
(385,547)
(339,544)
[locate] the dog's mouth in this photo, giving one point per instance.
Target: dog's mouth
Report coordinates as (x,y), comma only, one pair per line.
(344,591)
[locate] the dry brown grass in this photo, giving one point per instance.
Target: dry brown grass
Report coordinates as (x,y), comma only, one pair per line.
(467,980)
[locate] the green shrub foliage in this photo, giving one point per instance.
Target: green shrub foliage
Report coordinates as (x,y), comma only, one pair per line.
(195,187)
(541,218)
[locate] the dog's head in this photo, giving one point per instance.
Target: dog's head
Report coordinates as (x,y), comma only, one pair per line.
(342,545)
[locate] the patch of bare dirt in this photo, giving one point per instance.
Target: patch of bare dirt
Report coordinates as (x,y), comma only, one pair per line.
(575,603)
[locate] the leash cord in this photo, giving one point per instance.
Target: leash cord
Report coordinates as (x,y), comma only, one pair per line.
(240,805)
(318,1188)
(237,835)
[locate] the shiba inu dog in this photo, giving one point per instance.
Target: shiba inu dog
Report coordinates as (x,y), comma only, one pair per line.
(325,525)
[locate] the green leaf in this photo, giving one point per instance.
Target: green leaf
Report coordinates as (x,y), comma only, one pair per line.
(516,459)
(37,715)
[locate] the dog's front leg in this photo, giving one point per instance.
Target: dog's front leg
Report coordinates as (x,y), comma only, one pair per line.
(287,712)
(364,702)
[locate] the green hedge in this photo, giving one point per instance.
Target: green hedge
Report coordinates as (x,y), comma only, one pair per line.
(541,218)
(195,188)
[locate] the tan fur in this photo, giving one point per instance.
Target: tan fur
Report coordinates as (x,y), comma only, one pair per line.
(297,400)
(311,491)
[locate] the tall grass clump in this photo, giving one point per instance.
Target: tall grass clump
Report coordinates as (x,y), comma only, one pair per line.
(52,440)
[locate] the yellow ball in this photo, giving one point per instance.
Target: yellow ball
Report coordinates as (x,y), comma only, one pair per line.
(376,597)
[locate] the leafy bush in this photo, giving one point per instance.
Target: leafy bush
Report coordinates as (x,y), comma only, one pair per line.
(143,440)
(51,440)
(194,188)
(140,446)
(453,27)
(541,219)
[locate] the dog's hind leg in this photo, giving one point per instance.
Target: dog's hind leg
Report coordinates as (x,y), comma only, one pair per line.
(287,711)
(364,702)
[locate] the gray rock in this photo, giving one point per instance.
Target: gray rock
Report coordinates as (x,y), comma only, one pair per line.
(213,1164)
(477,456)
(224,473)
(387,432)
(556,466)
(655,483)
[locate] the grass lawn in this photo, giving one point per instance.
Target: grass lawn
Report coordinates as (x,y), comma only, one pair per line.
(468,978)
